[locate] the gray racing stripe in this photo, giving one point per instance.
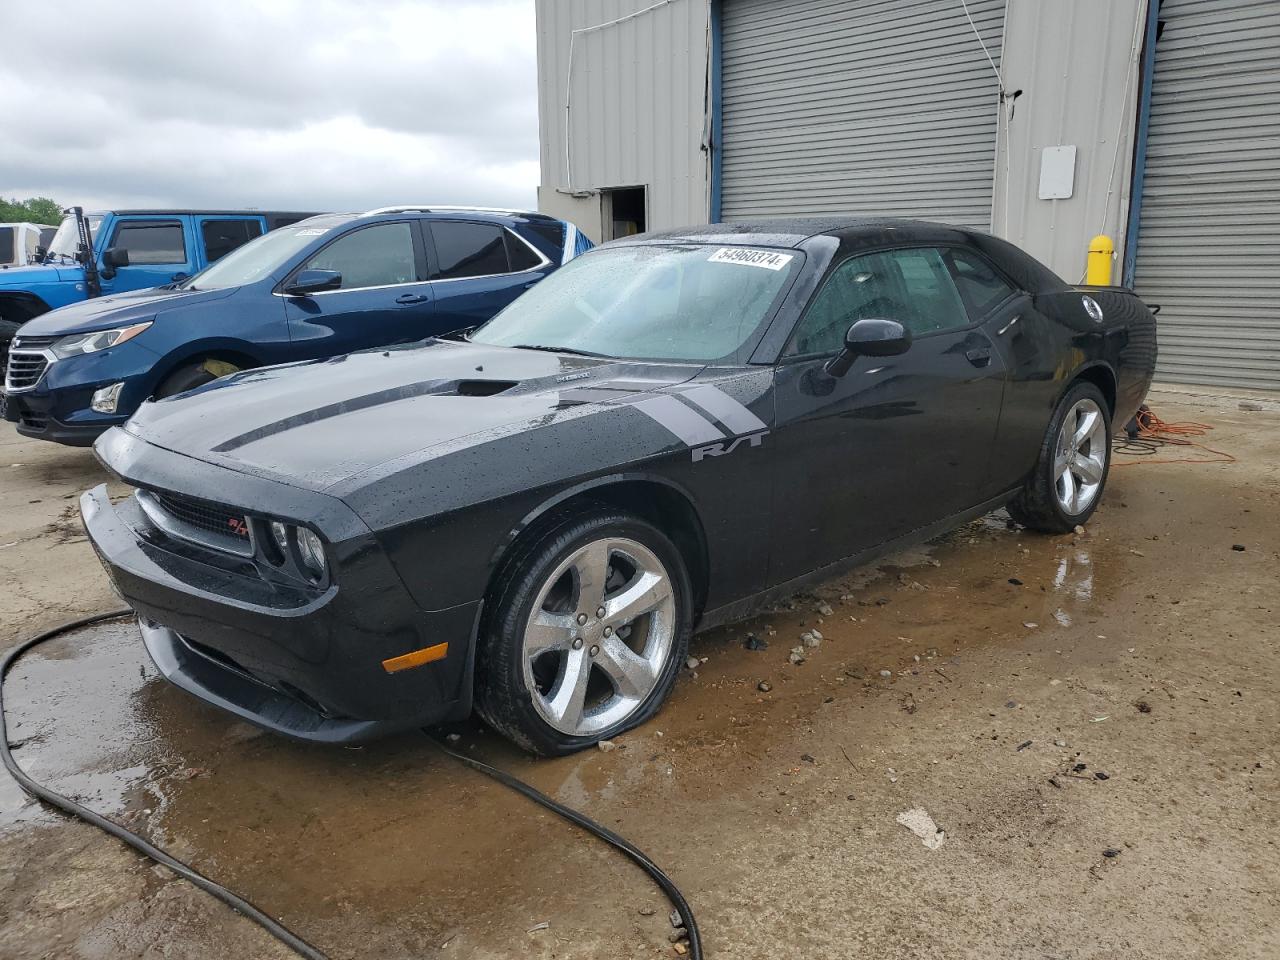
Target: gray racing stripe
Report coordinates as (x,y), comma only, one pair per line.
(685,422)
(724,408)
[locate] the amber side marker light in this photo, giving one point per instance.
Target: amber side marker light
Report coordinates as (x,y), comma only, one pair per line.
(416,659)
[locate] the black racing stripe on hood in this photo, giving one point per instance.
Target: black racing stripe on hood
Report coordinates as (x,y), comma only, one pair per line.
(404,392)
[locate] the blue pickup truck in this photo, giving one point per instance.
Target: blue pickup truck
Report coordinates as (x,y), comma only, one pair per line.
(98,254)
(315,289)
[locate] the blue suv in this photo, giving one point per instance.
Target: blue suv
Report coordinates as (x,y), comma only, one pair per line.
(321,287)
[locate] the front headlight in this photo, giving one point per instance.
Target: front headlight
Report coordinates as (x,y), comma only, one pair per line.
(312,552)
(79,343)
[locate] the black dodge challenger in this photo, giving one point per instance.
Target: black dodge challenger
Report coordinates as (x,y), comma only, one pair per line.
(666,434)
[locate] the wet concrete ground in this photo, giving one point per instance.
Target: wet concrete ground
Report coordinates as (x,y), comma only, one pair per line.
(1146,645)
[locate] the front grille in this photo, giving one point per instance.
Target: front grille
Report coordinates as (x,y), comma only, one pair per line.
(25,369)
(211,518)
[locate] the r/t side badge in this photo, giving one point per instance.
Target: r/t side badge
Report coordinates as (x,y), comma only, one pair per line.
(728,446)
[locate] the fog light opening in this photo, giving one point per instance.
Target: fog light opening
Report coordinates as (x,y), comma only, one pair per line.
(106,399)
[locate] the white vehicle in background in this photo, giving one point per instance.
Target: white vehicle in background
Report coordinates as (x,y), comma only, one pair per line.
(18,242)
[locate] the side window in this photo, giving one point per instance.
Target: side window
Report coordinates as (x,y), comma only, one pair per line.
(151,241)
(377,256)
(911,286)
(6,244)
(929,300)
(519,253)
(982,288)
(222,236)
(468,249)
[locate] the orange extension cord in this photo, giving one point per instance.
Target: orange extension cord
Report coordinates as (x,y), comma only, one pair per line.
(1154,434)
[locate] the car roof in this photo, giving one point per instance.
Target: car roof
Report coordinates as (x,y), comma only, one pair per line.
(171,212)
(793,231)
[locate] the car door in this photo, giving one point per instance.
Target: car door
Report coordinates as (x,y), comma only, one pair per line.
(384,297)
(1025,340)
(479,268)
(898,442)
(159,253)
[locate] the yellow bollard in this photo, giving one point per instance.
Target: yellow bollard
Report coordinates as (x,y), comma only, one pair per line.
(1098,269)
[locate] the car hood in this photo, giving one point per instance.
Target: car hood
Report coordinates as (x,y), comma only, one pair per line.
(319,424)
(118,310)
(23,277)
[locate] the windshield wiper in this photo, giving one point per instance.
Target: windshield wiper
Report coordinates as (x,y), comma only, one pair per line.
(572,350)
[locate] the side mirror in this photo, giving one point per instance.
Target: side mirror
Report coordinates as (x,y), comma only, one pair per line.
(115,257)
(307,282)
(870,338)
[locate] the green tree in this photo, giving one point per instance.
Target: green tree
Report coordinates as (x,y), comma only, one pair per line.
(33,209)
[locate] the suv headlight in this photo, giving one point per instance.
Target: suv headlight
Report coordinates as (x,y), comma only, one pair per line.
(79,343)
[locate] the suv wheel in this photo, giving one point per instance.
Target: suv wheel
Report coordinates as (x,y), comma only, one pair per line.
(586,635)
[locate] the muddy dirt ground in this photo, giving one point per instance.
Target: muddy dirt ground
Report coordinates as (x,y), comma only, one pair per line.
(1023,670)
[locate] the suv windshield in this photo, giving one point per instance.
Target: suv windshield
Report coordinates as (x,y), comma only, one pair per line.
(67,237)
(691,302)
(259,257)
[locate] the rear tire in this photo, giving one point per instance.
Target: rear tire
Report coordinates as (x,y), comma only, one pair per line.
(1070,474)
(554,675)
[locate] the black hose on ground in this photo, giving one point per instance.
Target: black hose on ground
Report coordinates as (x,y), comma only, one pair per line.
(243,906)
(128,837)
(638,856)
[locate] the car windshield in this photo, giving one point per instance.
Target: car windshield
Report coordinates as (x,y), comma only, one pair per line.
(690,302)
(258,258)
(67,237)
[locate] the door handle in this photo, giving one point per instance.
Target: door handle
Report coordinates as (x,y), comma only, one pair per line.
(1005,329)
(411,298)
(979,357)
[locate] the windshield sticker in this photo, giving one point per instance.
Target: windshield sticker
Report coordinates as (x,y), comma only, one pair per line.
(752,258)
(311,232)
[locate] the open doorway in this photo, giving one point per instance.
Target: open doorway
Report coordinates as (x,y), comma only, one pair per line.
(624,211)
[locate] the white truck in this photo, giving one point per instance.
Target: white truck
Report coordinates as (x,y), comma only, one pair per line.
(18,242)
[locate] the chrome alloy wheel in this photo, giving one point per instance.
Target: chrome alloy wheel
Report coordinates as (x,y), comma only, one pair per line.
(599,636)
(1080,457)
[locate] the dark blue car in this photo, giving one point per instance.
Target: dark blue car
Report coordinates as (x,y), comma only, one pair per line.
(321,287)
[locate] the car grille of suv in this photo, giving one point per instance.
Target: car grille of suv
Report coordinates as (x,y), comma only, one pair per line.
(25,369)
(209,518)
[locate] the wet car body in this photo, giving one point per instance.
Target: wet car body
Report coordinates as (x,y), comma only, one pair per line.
(421,468)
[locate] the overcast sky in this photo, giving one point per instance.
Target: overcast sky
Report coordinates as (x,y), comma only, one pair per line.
(317,105)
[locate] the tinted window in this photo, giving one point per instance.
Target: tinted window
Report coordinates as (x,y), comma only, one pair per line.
(910,286)
(376,256)
(520,254)
(979,284)
(223,236)
(469,249)
(6,244)
(151,241)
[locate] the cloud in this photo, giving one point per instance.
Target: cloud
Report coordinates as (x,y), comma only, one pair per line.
(327,105)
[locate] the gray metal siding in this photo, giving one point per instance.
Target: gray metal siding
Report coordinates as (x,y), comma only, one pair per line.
(639,104)
(1209,234)
(869,107)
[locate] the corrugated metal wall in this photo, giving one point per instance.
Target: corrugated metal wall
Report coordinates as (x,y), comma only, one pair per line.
(638,103)
(1209,233)
(869,107)
(1077,67)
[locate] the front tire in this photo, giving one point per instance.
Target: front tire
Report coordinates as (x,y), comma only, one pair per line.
(184,379)
(1069,476)
(586,633)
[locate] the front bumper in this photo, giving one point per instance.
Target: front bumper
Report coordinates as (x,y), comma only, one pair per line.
(33,415)
(302,662)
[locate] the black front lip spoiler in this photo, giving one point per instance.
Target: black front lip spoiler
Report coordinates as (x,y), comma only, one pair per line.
(246,698)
